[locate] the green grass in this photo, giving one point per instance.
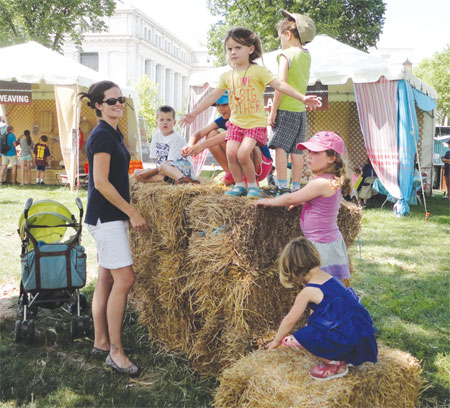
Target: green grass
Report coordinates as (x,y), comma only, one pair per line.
(402,271)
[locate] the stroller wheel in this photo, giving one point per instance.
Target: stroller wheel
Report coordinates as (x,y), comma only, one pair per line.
(28,330)
(85,322)
(18,331)
(74,328)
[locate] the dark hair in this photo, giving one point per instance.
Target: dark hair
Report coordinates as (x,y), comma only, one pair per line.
(246,37)
(28,136)
(44,138)
(288,25)
(166,109)
(9,128)
(299,256)
(96,94)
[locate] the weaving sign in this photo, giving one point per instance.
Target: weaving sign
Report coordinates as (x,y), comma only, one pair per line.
(13,92)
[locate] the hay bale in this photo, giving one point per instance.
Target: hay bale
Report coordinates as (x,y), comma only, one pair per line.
(206,271)
(281,379)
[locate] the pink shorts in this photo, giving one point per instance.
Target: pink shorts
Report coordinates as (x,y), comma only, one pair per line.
(237,134)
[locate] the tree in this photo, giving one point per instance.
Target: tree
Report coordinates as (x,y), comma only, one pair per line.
(435,71)
(148,103)
(48,21)
(355,22)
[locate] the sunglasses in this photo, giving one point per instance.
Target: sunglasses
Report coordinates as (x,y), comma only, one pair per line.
(113,101)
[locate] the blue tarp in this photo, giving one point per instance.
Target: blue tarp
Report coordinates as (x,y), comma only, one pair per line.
(407,134)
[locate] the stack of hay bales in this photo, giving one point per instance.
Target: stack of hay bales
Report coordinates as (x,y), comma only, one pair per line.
(280,378)
(206,271)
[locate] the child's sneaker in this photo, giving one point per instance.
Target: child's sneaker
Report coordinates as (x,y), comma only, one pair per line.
(281,191)
(328,371)
(236,191)
(254,193)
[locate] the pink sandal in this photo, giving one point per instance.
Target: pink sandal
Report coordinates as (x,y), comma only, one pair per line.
(328,371)
(290,341)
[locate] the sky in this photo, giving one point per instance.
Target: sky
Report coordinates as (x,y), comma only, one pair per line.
(417,24)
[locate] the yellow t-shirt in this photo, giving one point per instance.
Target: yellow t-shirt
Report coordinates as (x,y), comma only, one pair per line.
(246,95)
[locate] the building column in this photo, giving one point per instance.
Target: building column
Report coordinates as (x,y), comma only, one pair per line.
(168,91)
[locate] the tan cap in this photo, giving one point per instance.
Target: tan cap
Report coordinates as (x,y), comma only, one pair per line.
(305,26)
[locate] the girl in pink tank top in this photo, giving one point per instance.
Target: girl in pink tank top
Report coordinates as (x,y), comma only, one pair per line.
(321,199)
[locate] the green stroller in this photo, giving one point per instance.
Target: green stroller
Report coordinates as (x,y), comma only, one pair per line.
(53,266)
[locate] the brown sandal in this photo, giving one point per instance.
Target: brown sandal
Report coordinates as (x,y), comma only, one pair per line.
(186,180)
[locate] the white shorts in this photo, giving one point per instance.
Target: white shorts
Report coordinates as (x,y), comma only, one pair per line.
(113,246)
(9,160)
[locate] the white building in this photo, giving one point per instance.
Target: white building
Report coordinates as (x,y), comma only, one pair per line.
(134,46)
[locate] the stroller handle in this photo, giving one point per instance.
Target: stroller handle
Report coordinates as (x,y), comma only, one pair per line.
(80,207)
(27,206)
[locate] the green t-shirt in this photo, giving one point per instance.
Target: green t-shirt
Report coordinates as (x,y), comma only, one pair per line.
(299,62)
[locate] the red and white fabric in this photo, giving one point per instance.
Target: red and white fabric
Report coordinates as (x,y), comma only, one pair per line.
(196,94)
(379,128)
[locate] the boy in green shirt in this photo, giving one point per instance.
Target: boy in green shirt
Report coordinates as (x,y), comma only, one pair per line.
(288,115)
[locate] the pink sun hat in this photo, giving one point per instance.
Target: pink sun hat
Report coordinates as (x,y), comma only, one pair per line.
(324,140)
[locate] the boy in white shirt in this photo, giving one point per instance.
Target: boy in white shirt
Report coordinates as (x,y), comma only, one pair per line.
(165,148)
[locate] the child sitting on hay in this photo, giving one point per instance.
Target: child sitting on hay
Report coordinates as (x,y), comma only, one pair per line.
(166,148)
(339,331)
(215,142)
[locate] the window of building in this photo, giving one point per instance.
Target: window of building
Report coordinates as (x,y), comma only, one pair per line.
(89,59)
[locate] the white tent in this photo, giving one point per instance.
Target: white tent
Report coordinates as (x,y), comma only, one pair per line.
(342,70)
(59,79)
(332,63)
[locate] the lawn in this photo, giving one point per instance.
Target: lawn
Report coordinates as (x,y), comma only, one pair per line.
(402,272)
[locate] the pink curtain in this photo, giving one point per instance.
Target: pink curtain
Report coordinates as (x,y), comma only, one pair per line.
(196,94)
(377,110)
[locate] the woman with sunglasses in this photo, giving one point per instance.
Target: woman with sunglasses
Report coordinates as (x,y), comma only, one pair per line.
(108,215)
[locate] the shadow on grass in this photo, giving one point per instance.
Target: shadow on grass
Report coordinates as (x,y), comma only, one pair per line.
(54,371)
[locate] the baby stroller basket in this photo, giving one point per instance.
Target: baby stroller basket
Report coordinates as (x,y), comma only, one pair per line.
(47,263)
(53,267)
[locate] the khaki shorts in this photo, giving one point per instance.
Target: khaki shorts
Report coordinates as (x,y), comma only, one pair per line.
(113,247)
(9,160)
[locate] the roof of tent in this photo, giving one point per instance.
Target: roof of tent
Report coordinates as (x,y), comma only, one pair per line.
(31,62)
(333,63)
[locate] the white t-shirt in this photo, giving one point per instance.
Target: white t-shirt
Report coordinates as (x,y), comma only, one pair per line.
(165,148)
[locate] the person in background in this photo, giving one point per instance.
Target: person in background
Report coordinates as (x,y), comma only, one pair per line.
(9,158)
(446,161)
(288,115)
(108,216)
(368,171)
(41,153)
(25,159)
(339,331)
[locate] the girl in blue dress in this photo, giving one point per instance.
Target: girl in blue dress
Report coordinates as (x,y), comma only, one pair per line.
(339,331)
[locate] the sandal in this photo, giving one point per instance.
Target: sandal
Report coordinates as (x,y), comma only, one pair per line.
(98,352)
(290,341)
(131,370)
(328,371)
(186,180)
